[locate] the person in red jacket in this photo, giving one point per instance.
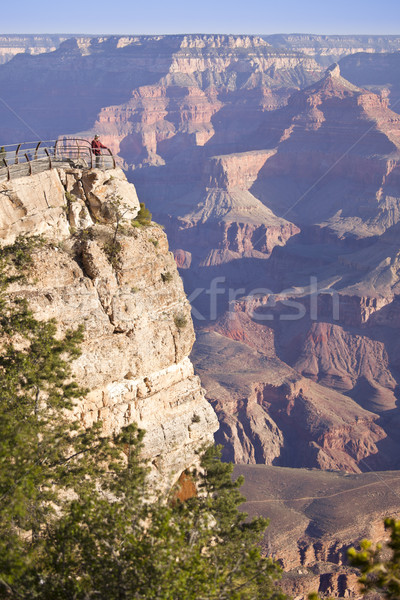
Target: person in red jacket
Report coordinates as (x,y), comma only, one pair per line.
(96,149)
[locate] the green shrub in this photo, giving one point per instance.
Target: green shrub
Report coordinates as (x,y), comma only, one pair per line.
(180,321)
(20,252)
(70,197)
(143,218)
(112,249)
(86,234)
(167,277)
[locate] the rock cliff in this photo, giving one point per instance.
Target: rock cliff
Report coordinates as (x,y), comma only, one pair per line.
(272,415)
(10,45)
(328,133)
(136,318)
(327,49)
(378,72)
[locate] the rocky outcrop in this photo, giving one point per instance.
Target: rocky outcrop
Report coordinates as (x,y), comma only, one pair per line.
(235,170)
(269,414)
(219,220)
(10,45)
(376,71)
(136,318)
(327,49)
(338,358)
(333,131)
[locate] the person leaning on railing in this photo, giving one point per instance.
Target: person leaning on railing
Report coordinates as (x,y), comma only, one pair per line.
(96,149)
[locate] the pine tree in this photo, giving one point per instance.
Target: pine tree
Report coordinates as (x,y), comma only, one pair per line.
(380,574)
(78,519)
(38,438)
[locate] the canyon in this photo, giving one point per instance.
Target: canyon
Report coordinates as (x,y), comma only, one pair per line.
(277,182)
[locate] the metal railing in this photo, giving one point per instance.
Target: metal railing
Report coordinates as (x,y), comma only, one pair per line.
(28,158)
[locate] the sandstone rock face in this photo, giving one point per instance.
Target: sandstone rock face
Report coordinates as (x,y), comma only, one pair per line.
(33,205)
(138,329)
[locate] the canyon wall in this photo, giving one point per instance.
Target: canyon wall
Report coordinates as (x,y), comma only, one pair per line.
(328,49)
(137,325)
(133,88)
(10,45)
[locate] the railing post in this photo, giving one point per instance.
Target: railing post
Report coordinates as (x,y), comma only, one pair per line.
(112,156)
(36,150)
(49,157)
(16,153)
(8,169)
(29,163)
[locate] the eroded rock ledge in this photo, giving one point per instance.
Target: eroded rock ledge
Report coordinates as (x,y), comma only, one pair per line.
(138,328)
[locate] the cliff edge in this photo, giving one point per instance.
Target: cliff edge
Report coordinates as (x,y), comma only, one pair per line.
(138,328)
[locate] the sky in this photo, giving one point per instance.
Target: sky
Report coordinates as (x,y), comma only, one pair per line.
(201,16)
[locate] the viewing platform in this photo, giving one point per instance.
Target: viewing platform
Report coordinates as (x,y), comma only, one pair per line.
(28,158)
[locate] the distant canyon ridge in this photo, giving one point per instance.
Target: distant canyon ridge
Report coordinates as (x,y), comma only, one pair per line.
(324,48)
(273,162)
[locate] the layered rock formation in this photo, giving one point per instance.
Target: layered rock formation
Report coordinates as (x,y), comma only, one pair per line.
(327,49)
(333,132)
(327,330)
(378,72)
(219,220)
(136,318)
(270,414)
(208,75)
(10,45)
(115,76)
(290,159)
